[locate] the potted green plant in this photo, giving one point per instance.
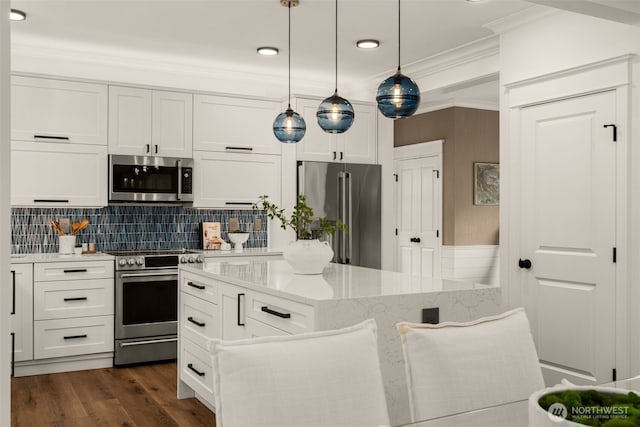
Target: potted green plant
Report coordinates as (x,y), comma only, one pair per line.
(308,254)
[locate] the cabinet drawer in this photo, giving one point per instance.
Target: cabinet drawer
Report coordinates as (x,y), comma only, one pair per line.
(72,270)
(201,287)
(290,316)
(198,319)
(195,369)
(74,298)
(257,329)
(70,337)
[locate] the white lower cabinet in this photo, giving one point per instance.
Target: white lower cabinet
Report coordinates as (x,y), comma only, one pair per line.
(22,311)
(195,369)
(232,180)
(76,174)
(72,336)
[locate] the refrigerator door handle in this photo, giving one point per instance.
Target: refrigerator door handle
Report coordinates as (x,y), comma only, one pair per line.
(348,219)
(340,240)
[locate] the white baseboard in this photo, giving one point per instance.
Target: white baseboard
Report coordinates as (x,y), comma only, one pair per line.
(64,364)
(477,263)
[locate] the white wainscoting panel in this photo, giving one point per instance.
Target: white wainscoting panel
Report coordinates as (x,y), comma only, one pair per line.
(477,263)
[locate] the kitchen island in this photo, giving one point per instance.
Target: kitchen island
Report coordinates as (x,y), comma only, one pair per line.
(234,300)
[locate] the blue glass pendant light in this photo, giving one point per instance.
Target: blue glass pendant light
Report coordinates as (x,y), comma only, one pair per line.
(398,96)
(335,114)
(289,127)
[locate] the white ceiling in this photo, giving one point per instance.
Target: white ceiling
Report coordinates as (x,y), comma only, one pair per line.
(225,33)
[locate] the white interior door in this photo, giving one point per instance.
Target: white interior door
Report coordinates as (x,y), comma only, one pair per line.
(568,169)
(419,213)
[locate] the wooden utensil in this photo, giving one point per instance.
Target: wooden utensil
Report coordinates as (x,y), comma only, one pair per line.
(81,225)
(57,227)
(74,227)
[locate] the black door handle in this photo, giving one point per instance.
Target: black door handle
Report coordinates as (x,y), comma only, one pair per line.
(524,263)
(415,239)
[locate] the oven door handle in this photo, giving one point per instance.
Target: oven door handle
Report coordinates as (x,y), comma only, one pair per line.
(127,275)
(132,343)
(179,165)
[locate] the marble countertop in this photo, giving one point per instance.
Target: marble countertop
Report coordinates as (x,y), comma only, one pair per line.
(337,282)
(247,252)
(56,257)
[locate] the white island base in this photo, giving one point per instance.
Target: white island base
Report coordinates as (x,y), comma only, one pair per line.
(228,300)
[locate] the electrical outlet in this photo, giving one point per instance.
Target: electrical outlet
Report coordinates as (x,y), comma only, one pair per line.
(234,224)
(257,224)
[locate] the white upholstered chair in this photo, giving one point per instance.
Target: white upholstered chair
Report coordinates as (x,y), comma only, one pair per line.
(456,367)
(328,378)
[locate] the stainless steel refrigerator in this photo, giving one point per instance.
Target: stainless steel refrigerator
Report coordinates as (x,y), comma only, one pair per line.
(351,193)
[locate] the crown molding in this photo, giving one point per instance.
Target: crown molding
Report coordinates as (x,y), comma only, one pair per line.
(518,19)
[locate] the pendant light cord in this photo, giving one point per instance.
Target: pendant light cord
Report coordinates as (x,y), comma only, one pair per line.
(336,46)
(398,35)
(289,54)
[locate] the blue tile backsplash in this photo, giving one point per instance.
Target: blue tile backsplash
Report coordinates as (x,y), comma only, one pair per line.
(126,227)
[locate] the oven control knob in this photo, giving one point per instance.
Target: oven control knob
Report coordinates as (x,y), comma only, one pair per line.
(184,260)
(200,259)
(131,261)
(122,262)
(192,260)
(140,261)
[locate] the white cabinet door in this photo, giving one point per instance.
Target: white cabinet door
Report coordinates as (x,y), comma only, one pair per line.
(235,125)
(22,311)
(51,174)
(317,145)
(171,130)
(130,121)
(230,180)
(232,312)
(256,329)
(358,144)
(56,110)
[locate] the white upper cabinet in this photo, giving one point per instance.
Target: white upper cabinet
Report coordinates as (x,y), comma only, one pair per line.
(150,122)
(53,174)
(58,111)
(357,145)
(235,180)
(235,125)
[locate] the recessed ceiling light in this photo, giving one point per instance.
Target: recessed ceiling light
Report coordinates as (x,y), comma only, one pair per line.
(268,51)
(17,15)
(368,44)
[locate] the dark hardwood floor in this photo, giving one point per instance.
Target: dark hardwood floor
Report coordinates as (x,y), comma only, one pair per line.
(139,396)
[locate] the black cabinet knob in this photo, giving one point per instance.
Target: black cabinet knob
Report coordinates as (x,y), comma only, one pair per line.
(415,239)
(524,263)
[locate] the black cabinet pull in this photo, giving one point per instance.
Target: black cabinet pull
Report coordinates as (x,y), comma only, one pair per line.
(13,284)
(193,285)
(239,305)
(334,155)
(239,148)
(148,148)
(76,270)
(341,155)
(276,313)
(50,201)
(615,132)
(55,138)
(156,149)
(239,203)
(415,239)
(195,322)
(73,337)
(13,354)
(190,366)
(524,263)
(76,299)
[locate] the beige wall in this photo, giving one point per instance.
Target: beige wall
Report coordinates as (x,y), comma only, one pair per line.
(470,135)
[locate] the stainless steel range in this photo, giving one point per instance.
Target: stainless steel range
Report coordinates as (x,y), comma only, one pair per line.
(146,304)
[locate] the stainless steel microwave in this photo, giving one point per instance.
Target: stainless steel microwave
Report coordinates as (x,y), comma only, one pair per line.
(150,179)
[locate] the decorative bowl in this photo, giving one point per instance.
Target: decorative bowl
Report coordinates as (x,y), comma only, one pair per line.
(238,239)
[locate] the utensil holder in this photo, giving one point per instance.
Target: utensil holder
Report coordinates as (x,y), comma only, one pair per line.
(66,244)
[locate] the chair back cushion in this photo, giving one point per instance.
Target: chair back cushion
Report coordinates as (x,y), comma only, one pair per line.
(456,367)
(328,378)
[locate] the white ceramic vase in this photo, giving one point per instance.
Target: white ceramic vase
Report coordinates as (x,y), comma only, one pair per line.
(308,256)
(66,244)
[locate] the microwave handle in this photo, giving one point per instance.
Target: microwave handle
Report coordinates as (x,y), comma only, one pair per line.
(179,163)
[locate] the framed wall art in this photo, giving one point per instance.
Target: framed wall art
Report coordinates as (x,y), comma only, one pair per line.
(486,184)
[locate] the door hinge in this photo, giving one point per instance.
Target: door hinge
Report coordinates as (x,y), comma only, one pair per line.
(396,231)
(615,131)
(614,375)
(615,255)
(396,176)
(437,173)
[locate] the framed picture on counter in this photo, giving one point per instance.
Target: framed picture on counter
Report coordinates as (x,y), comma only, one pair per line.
(486,184)
(210,233)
